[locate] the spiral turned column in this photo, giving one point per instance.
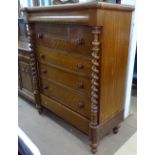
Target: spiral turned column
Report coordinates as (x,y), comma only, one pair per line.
(95,88)
(33,65)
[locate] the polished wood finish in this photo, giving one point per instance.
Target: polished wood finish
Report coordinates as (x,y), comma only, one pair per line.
(72,38)
(114,63)
(79,7)
(79,62)
(34,66)
(110,125)
(71,81)
(74,118)
(67,97)
(76,64)
(95,87)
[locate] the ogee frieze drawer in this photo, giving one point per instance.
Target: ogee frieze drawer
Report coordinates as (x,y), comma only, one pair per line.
(72,38)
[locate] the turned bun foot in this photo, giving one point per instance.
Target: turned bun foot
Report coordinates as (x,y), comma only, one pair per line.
(116,130)
(40,110)
(94,148)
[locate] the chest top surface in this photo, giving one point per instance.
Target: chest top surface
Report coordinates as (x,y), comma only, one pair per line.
(83,13)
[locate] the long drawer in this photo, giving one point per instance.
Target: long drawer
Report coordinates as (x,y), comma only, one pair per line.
(76,102)
(81,84)
(69,62)
(65,113)
(72,38)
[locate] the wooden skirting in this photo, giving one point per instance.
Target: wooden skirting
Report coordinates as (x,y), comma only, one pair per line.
(103,129)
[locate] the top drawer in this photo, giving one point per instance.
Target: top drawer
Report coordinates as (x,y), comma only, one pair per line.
(71,38)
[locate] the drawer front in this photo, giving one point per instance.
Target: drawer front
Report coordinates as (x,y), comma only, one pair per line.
(72,38)
(77,102)
(69,62)
(81,84)
(65,113)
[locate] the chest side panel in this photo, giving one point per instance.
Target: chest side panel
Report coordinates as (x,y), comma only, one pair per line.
(114,59)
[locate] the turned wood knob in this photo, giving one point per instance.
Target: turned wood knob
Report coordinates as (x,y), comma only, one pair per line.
(79,41)
(80,66)
(44,71)
(80,85)
(45,87)
(42,56)
(40,35)
(45,103)
(81,105)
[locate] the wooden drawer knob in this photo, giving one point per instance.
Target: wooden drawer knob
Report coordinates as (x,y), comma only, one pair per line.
(80,85)
(40,35)
(42,56)
(80,66)
(45,103)
(44,71)
(45,87)
(81,105)
(79,41)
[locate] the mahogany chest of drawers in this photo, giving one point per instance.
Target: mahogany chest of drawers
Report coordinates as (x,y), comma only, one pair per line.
(79,62)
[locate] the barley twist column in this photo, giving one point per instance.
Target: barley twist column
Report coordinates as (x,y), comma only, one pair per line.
(34,72)
(95,88)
